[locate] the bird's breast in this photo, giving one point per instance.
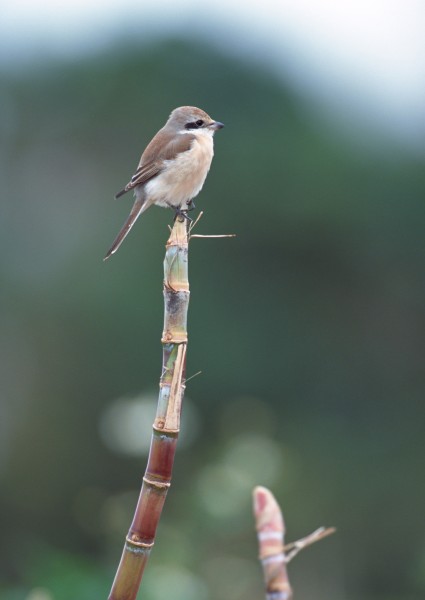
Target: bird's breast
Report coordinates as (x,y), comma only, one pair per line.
(183,177)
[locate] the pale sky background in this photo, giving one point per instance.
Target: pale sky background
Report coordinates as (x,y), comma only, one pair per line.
(364,59)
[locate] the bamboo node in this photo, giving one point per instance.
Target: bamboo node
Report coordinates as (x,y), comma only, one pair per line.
(178,338)
(160,485)
(161,428)
(267,553)
(168,287)
(283,592)
(268,559)
(138,544)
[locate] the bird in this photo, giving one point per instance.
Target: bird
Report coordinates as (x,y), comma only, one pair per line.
(173,167)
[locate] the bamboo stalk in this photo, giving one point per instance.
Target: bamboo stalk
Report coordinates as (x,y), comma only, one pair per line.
(157,479)
(274,555)
(271,535)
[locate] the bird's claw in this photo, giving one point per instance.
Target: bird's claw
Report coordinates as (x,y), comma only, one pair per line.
(183,214)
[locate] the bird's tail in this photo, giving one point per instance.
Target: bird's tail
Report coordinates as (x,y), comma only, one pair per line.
(139,206)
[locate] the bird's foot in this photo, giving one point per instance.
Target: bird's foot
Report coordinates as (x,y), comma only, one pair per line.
(190,205)
(182,214)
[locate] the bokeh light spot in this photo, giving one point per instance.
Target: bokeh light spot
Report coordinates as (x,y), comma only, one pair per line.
(126,424)
(159,582)
(39,593)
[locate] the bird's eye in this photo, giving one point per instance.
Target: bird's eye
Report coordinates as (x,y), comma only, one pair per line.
(199,123)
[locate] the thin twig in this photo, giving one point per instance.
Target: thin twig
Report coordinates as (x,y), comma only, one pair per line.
(198,235)
(299,545)
(225,235)
(192,376)
(196,221)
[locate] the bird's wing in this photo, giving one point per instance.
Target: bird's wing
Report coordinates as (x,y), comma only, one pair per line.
(163,147)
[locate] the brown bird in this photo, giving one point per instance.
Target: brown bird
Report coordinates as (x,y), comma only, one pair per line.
(173,168)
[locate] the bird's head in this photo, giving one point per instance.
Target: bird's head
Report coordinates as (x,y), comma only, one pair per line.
(191,119)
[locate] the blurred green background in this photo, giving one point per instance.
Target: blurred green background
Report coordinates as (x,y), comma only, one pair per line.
(308,328)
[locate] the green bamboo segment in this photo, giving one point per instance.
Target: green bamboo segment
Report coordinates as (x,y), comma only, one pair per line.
(166,427)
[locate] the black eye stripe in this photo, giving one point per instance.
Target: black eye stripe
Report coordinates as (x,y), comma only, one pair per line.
(196,125)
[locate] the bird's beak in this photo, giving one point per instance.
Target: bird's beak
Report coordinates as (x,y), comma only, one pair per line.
(215,125)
